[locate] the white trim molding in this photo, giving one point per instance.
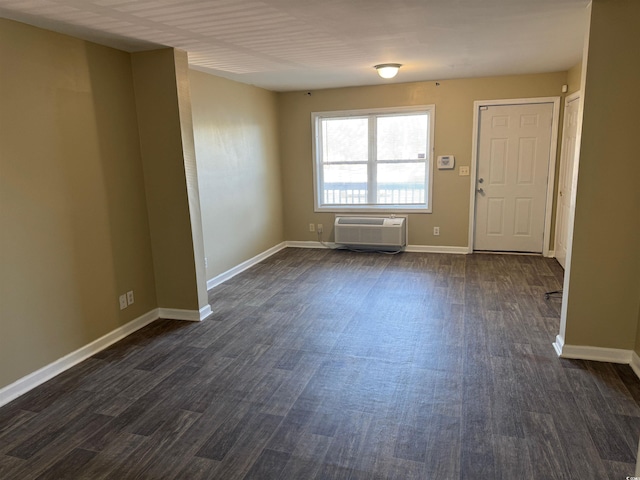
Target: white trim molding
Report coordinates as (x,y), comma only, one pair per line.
(224,276)
(310,244)
(187,315)
(408,248)
(575,96)
(635,364)
(558,344)
(597,354)
(436,249)
(205,311)
(32,380)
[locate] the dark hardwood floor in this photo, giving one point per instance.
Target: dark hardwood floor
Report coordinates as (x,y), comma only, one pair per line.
(322,364)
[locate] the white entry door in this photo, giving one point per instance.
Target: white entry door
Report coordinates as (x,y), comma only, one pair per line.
(565,180)
(512,172)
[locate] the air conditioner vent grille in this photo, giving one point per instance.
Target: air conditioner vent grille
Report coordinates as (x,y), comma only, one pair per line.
(371,232)
(360,221)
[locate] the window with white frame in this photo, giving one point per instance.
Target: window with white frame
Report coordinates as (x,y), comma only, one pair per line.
(369,160)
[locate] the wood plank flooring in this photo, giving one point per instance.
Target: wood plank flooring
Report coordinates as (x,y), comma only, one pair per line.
(321,364)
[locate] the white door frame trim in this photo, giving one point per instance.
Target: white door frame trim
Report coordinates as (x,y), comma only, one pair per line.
(567,100)
(552,161)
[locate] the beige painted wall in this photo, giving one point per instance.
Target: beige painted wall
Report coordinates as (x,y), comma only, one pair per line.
(74,229)
(603,299)
(453,135)
(235,129)
(574,78)
(161,143)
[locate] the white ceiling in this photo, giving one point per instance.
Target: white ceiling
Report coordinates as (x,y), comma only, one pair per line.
(285,45)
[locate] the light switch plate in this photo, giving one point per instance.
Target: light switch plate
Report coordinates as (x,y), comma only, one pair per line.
(464,171)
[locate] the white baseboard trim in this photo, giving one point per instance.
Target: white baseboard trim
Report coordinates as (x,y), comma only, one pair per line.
(32,380)
(558,344)
(309,244)
(179,314)
(223,277)
(551,254)
(635,363)
(205,311)
(408,248)
(436,249)
(597,354)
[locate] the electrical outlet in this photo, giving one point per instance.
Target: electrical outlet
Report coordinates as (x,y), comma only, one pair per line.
(436,231)
(312,227)
(130,298)
(320,228)
(123,301)
(206,262)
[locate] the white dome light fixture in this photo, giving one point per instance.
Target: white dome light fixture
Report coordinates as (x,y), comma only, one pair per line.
(388,70)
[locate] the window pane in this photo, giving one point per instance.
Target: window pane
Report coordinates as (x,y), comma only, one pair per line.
(345,184)
(401,183)
(345,140)
(402,137)
(374,159)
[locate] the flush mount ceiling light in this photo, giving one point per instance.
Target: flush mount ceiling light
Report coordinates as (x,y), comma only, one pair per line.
(388,70)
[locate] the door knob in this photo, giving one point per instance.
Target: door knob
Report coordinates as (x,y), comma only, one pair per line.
(481,190)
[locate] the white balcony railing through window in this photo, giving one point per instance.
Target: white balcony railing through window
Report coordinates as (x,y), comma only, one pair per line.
(387,193)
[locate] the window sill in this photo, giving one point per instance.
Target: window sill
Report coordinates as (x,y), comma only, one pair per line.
(369,209)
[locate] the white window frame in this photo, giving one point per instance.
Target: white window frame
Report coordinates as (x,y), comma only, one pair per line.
(371,208)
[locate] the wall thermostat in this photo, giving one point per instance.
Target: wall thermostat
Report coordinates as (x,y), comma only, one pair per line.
(446,162)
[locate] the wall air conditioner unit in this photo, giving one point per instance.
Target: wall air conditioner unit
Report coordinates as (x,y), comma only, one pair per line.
(376,233)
